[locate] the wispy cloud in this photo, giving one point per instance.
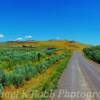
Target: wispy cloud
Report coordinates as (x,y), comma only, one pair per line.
(58,38)
(28,37)
(19,39)
(1,35)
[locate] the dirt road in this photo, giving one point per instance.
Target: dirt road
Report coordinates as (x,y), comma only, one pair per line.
(80,80)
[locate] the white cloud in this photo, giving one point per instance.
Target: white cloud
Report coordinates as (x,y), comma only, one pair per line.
(28,37)
(19,39)
(22,38)
(1,35)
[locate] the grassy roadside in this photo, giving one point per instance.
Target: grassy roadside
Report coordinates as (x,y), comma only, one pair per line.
(50,84)
(93,53)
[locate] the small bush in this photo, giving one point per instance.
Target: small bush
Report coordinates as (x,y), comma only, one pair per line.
(3,78)
(1,89)
(17,79)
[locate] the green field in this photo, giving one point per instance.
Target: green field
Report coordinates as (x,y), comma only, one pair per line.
(19,65)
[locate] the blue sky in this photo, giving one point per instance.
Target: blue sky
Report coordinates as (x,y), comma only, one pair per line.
(77,20)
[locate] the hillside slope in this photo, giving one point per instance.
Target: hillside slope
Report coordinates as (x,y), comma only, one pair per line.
(52,43)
